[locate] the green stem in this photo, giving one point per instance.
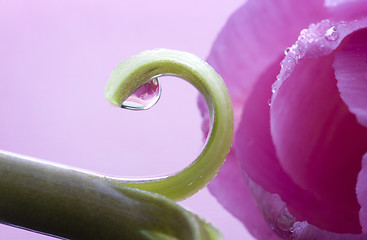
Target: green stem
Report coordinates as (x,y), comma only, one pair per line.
(76,204)
(62,202)
(140,69)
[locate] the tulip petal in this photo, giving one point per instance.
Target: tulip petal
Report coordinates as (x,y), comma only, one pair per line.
(246,47)
(256,154)
(239,55)
(233,193)
(250,41)
(318,141)
(350,66)
(281,221)
(254,148)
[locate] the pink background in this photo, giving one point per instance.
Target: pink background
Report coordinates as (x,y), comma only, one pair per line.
(56,57)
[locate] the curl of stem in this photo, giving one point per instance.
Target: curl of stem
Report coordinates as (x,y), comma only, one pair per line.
(140,69)
(76,204)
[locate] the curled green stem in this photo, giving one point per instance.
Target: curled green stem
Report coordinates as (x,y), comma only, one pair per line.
(140,69)
(76,204)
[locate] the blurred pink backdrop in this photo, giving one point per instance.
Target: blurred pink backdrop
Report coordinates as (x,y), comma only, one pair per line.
(56,57)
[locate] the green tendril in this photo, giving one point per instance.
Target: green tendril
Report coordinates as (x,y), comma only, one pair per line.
(75,204)
(140,69)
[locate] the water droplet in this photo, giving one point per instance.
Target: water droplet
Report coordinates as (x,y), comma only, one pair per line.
(331,34)
(273,88)
(145,97)
(287,51)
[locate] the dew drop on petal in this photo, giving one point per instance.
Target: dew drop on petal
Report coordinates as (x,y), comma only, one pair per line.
(273,88)
(287,51)
(331,34)
(144,97)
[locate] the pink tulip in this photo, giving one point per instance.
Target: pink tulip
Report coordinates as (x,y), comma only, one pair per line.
(298,166)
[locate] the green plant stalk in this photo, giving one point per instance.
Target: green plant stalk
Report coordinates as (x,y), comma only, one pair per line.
(140,69)
(70,204)
(76,204)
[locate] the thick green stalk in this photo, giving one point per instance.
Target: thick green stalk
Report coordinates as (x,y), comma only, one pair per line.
(140,69)
(67,203)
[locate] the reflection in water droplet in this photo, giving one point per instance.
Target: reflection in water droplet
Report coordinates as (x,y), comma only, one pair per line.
(144,97)
(331,34)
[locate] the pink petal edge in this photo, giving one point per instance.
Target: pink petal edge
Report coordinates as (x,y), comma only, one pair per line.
(318,40)
(235,194)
